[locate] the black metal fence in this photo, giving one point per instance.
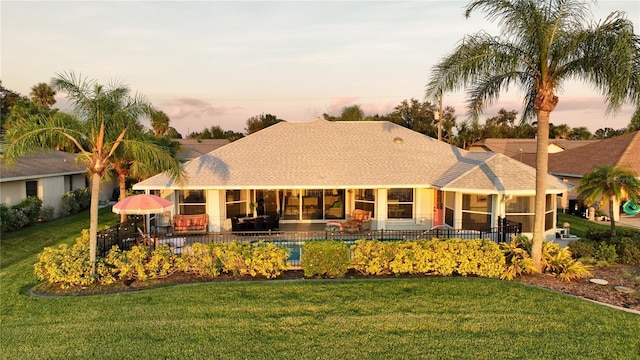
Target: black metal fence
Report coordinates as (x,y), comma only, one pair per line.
(127,234)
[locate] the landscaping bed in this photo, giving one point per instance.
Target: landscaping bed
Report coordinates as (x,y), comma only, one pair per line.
(616,275)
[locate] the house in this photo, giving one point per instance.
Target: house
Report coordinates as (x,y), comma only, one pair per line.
(523,148)
(47,176)
(571,165)
(312,172)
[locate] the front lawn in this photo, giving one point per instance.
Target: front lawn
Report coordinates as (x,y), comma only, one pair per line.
(417,318)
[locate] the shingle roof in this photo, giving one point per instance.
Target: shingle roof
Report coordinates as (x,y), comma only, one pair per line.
(515,147)
(359,154)
(52,163)
(197,147)
(615,151)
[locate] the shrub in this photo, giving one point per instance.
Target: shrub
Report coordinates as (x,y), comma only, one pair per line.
(46,214)
(626,242)
(432,257)
(31,207)
(14,219)
(628,249)
(237,258)
(83,198)
(325,258)
(555,260)
(371,257)
(606,253)
(268,260)
(202,260)
(68,204)
(582,248)
(139,263)
(68,266)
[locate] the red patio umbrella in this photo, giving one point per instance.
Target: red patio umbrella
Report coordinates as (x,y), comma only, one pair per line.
(142,204)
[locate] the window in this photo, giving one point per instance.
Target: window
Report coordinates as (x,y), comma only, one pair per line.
(334,204)
(192,202)
(549,213)
(476,211)
(520,209)
(400,204)
(236,203)
(32,188)
(449,205)
(365,199)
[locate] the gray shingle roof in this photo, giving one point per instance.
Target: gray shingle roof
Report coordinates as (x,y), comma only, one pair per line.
(324,154)
(192,148)
(52,163)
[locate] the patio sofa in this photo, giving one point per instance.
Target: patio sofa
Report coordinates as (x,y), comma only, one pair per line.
(190,223)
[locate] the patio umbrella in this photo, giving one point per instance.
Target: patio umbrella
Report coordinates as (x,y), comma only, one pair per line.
(142,204)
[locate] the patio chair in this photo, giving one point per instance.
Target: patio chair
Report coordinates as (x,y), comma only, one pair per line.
(358,221)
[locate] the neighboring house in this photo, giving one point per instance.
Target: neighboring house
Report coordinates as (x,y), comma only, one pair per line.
(192,148)
(523,148)
(572,164)
(47,176)
(312,172)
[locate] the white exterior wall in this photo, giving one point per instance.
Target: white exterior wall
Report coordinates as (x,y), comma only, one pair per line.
(50,190)
(12,192)
(215,210)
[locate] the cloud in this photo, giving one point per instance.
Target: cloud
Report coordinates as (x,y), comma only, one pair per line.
(336,104)
(191,114)
(183,108)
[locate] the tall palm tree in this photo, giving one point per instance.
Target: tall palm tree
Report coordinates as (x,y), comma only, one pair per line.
(127,161)
(611,183)
(99,134)
(42,94)
(159,123)
(542,44)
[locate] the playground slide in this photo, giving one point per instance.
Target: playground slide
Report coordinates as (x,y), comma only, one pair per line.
(631,208)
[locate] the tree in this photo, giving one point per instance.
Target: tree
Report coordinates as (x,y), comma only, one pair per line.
(501,125)
(262,121)
(580,133)
(352,113)
(8,98)
(417,116)
(561,131)
(606,133)
(349,113)
(42,94)
(611,183)
(541,44)
(99,134)
(634,124)
(159,123)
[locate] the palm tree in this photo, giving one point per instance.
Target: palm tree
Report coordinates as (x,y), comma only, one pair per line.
(542,44)
(43,95)
(159,123)
(99,135)
(612,183)
(127,161)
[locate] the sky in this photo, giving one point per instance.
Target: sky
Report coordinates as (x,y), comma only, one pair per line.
(214,63)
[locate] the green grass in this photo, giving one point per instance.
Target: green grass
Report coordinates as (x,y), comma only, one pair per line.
(579,226)
(30,240)
(419,318)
